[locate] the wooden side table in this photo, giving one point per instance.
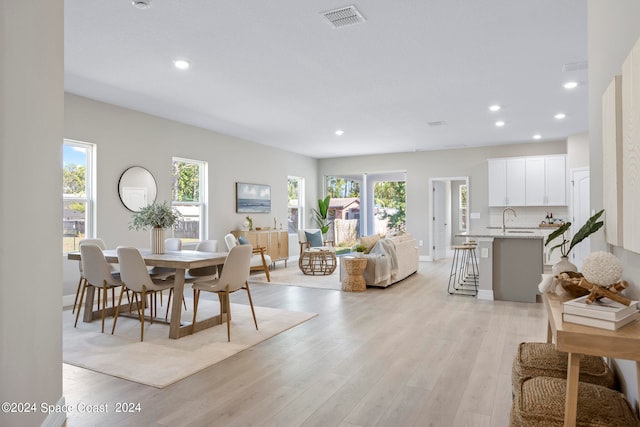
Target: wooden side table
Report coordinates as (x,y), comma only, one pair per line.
(579,339)
(354,281)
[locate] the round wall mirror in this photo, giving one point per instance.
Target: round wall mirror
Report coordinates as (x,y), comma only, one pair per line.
(137,188)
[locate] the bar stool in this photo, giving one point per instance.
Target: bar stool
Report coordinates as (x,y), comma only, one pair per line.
(464,275)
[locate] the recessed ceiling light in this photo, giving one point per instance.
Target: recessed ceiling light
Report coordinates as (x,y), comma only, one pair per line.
(339,132)
(537,136)
(141,4)
(181,64)
(494,108)
(570,85)
(499,123)
(560,116)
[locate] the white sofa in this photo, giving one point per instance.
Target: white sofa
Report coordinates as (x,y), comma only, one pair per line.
(389,261)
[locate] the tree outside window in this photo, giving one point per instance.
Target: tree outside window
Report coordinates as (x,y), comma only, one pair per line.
(295,205)
(77,163)
(189,196)
(463,208)
(391,206)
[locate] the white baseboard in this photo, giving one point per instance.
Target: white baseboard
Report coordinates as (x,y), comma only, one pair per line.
(485,294)
(55,418)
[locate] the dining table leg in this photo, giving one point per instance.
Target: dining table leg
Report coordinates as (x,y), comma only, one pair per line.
(176,304)
(571,402)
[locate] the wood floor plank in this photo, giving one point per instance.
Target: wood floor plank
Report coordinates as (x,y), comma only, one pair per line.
(407,355)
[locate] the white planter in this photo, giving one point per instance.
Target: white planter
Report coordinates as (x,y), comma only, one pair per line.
(563,265)
(157,240)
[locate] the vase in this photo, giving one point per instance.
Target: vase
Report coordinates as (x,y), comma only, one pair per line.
(157,240)
(563,265)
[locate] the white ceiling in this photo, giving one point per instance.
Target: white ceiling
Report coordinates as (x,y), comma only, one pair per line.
(275,72)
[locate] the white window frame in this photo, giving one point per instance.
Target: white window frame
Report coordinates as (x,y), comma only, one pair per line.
(90,184)
(462,208)
(301,204)
(204,193)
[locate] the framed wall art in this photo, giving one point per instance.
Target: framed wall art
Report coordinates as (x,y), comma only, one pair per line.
(253,198)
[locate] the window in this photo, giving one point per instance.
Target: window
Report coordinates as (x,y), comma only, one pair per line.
(345,209)
(390,206)
(463,207)
(189,197)
(295,206)
(77,193)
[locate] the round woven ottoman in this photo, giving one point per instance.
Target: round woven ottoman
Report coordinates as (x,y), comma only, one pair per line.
(538,359)
(540,401)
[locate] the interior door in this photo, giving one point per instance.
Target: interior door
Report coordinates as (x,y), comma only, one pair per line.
(439,220)
(580,204)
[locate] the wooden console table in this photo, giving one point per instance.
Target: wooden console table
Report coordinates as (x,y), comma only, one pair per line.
(276,242)
(579,339)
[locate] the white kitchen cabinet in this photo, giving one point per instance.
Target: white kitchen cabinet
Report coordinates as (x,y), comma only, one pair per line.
(507,182)
(546,181)
(528,181)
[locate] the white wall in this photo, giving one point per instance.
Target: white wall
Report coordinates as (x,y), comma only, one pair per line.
(126,138)
(578,151)
(31,123)
(613,29)
(421,166)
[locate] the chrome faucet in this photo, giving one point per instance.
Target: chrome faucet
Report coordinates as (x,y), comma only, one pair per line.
(504,228)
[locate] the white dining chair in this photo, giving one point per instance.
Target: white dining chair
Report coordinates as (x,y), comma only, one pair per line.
(260,260)
(135,278)
(100,243)
(201,273)
(97,273)
(234,276)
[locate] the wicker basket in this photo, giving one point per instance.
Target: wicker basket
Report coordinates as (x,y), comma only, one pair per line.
(539,402)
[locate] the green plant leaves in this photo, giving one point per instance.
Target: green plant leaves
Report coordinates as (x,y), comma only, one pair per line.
(591,226)
(320,215)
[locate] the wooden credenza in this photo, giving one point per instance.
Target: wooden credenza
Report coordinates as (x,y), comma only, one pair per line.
(276,242)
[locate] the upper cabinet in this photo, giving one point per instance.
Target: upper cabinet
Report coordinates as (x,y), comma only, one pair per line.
(528,181)
(507,182)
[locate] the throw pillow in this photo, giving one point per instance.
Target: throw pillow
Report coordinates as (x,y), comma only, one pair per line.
(314,238)
(369,241)
(243,240)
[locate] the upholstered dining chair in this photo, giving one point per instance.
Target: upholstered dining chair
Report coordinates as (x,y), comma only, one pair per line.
(200,273)
(100,243)
(135,278)
(97,273)
(170,244)
(234,276)
(260,260)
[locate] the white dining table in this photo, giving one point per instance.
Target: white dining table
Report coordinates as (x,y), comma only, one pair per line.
(178,260)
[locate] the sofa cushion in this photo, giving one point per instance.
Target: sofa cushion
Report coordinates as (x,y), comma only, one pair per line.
(314,239)
(369,241)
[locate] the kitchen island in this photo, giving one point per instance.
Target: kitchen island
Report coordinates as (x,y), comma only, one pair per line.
(510,261)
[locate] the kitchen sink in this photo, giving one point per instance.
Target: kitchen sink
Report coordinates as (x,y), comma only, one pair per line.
(520,231)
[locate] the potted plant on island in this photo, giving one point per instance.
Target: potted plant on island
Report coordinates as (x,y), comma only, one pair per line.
(321,216)
(157,217)
(591,226)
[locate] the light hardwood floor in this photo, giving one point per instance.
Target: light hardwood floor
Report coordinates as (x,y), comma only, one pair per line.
(407,355)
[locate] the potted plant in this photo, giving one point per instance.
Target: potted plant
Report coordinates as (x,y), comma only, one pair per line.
(360,250)
(591,226)
(321,215)
(156,217)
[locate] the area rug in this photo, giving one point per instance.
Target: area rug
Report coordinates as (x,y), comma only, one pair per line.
(160,361)
(292,276)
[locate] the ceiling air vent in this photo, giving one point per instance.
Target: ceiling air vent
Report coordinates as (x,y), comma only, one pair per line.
(575,66)
(433,124)
(343,17)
